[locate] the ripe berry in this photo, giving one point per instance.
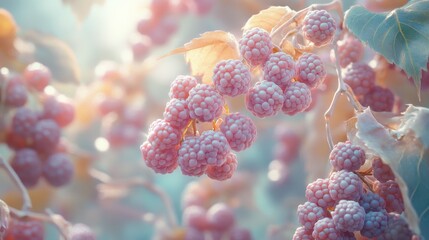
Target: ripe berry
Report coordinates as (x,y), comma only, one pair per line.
(81,232)
(297,98)
(375,224)
(205,103)
(224,171)
(382,172)
(177,113)
(239,130)
(350,50)
(201,7)
(46,135)
(255,46)
(27,166)
(25,229)
(37,76)
(231,77)
(23,122)
(194,234)
(195,217)
(215,147)
(264,99)
(161,161)
(309,213)
(58,109)
(191,157)
(279,69)
(121,134)
(181,86)
(163,136)
(360,77)
(16,93)
(372,202)
(325,229)
(220,217)
(348,216)
(166,27)
(302,233)
(310,70)
(159,8)
(346,156)
(146,25)
(379,99)
(345,185)
(58,169)
(134,116)
(391,193)
(106,105)
(397,228)
(318,193)
(141,47)
(319,27)
(238,233)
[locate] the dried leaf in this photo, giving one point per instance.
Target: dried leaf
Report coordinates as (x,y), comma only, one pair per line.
(205,52)
(269,18)
(81,8)
(405,148)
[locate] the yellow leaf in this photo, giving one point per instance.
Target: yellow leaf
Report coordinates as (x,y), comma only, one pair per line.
(205,52)
(269,18)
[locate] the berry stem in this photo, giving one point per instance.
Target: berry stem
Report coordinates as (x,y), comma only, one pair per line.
(364,180)
(12,174)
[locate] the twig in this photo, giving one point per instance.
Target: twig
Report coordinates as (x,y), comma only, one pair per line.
(12,174)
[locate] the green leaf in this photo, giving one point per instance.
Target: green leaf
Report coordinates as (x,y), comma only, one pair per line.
(402,143)
(401,36)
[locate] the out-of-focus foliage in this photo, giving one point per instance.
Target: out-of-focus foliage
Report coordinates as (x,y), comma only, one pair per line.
(81,8)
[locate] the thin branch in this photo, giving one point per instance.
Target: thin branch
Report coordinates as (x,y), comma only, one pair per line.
(12,174)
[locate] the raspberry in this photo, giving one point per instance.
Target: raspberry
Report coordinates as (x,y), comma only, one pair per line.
(37,76)
(240,234)
(16,93)
(27,166)
(177,113)
(195,217)
(391,193)
(220,217)
(397,228)
(346,156)
(360,77)
(224,171)
(382,172)
(302,234)
(205,103)
(58,109)
(279,69)
(345,185)
(81,232)
(348,216)
(23,122)
(264,99)
(108,105)
(255,46)
(318,193)
(375,224)
(372,202)
(141,48)
(25,229)
(231,77)
(146,25)
(319,27)
(58,169)
(285,153)
(325,229)
(160,8)
(379,99)
(297,98)
(164,30)
(181,86)
(191,157)
(163,136)
(215,147)
(350,50)
(201,7)
(46,135)
(309,213)
(134,116)
(161,161)
(239,130)
(310,70)
(121,134)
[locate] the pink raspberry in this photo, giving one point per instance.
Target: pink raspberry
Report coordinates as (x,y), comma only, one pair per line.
(191,157)
(255,46)
(215,147)
(161,161)
(375,224)
(58,169)
(239,130)
(205,103)
(279,69)
(220,217)
(181,86)
(231,77)
(46,135)
(319,27)
(350,50)
(59,109)
(37,76)
(372,202)
(379,99)
(346,156)
(224,171)
(23,121)
(348,216)
(28,166)
(310,70)
(344,185)
(25,229)
(325,229)
(160,8)
(81,232)
(297,98)
(194,234)
(382,172)
(16,93)
(360,77)
(201,7)
(163,136)
(397,228)
(177,113)
(195,217)
(264,99)
(309,213)
(318,193)
(302,234)
(391,193)
(238,233)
